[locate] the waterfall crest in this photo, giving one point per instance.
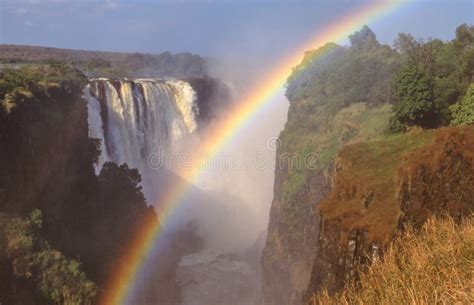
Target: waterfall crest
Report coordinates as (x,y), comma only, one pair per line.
(136,118)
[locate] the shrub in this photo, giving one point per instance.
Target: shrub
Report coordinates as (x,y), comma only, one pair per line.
(463,111)
(415,106)
(56,278)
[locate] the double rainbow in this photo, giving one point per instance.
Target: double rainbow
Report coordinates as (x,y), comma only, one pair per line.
(123,282)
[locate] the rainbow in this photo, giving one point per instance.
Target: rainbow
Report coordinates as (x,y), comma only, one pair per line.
(122,284)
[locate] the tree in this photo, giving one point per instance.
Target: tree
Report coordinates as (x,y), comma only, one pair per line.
(464,36)
(406,44)
(415,106)
(449,65)
(463,111)
(364,39)
(123,208)
(54,277)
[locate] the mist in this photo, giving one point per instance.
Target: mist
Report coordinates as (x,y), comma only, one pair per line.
(228,206)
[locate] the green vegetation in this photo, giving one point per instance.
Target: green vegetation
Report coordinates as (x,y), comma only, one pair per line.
(434,266)
(463,111)
(337,77)
(41,76)
(23,84)
(416,105)
(342,95)
(55,279)
(435,77)
(109,64)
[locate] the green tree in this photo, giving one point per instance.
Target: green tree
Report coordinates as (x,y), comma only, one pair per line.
(364,39)
(463,111)
(415,106)
(36,264)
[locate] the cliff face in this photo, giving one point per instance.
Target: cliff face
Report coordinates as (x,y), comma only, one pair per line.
(382,185)
(337,212)
(291,240)
(337,96)
(213,97)
(351,210)
(303,177)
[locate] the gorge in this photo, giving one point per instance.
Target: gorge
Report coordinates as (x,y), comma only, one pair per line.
(89,155)
(147,124)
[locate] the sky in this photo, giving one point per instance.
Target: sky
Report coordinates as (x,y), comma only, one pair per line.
(262,28)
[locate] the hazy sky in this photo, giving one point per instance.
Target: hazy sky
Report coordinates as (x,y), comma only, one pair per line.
(208,27)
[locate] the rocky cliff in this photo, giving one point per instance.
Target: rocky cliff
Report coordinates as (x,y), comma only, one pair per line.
(344,187)
(323,117)
(381,186)
(303,178)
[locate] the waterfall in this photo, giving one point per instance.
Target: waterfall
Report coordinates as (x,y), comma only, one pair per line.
(136,118)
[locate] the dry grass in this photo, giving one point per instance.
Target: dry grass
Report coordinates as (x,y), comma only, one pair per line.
(434,266)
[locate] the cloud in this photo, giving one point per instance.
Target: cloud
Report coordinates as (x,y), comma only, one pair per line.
(21,11)
(111,4)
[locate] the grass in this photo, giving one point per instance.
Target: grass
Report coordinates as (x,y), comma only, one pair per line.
(434,266)
(304,134)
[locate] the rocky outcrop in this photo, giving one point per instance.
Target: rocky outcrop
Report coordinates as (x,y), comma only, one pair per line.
(292,239)
(213,97)
(288,254)
(381,186)
(438,179)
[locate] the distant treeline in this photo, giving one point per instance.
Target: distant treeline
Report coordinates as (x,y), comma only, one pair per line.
(110,64)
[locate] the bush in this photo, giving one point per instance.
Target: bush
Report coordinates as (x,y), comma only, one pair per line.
(463,111)
(415,106)
(34,80)
(57,279)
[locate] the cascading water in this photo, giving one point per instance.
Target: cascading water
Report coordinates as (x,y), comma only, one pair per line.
(137,118)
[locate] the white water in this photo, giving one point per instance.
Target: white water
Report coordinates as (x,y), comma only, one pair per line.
(135,119)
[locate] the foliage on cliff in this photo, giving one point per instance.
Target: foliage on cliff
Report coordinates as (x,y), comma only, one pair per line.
(52,277)
(431,266)
(415,106)
(35,81)
(436,75)
(337,76)
(463,111)
(47,162)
